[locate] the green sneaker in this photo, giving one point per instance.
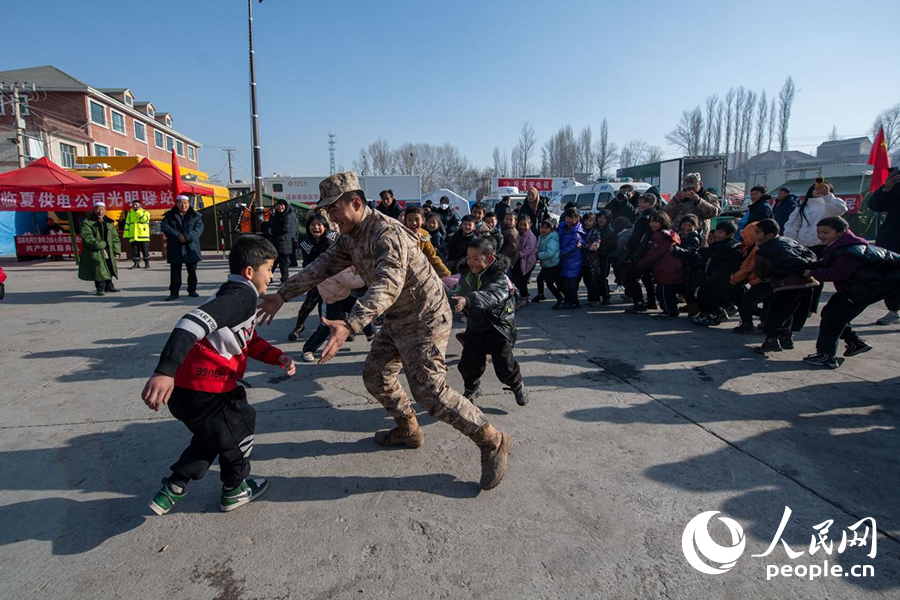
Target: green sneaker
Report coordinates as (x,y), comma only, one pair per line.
(165,499)
(249,490)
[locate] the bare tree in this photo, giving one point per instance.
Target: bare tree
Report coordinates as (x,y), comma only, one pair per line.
(786,98)
(688,134)
(560,154)
(585,150)
(833,136)
(654,154)
(729,121)
(361,165)
(633,153)
(772,115)
(381,157)
(712,102)
(762,112)
(890,120)
(717,140)
(516,160)
(749,107)
(501,163)
(527,142)
(738,125)
(604,151)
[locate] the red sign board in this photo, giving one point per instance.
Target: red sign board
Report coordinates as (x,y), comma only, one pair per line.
(45,245)
(81,202)
(542,185)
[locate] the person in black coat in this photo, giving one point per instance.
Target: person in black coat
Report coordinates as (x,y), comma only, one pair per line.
(718,262)
(886,199)
(458,244)
(388,206)
(535,208)
(502,208)
(637,247)
(182,227)
(282,233)
(449,218)
(319,238)
(759,206)
(619,206)
(785,203)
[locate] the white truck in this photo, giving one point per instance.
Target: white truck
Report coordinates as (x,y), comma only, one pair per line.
(406,188)
(667,175)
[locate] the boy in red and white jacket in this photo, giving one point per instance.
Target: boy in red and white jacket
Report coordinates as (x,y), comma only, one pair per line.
(198,373)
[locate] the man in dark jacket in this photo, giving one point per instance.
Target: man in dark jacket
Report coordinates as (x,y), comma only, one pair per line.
(182,227)
(483,295)
(388,205)
(862,275)
(886,199)
(620,206)
(283,232)
(502,208)
(785,203)
(449,218)
(536,208)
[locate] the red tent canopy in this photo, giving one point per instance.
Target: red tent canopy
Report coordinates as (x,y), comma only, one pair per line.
(42,185)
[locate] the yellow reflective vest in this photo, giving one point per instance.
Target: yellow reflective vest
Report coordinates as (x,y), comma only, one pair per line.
(137,225)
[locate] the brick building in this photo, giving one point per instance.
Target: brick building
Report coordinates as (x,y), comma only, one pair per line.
(66,118)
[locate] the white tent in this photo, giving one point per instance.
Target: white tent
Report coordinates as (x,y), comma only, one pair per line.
(459,204)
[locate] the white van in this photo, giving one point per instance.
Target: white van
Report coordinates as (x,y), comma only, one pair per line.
(594,197)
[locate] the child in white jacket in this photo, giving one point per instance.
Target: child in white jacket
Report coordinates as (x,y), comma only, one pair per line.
(819,202)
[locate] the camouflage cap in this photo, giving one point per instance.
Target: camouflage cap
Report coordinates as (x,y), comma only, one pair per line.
(336,186)
(692,179)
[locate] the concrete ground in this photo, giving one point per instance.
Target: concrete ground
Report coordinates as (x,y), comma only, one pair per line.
(634,428)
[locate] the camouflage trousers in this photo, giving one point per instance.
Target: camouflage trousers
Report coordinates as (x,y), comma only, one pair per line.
(418,346)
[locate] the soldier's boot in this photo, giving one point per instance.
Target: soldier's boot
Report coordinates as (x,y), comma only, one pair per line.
(146,263)
(406,433)
(495,448)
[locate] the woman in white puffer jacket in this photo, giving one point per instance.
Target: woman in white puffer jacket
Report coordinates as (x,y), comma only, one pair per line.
(819,202)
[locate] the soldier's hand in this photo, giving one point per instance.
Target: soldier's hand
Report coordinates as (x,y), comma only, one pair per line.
(891,181)
(340,331)
(271,304)
(158,391)
(459,303)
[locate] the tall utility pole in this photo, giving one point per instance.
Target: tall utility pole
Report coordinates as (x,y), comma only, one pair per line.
(332,144)
(230,175)
(257,168)
(19,125)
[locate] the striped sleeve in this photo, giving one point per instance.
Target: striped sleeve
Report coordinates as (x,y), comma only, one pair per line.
(230,307)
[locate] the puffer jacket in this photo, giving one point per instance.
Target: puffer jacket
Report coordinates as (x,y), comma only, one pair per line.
(190,226)
(748,251)
(548,250)
(527,251)
(720,260)
(457,248)
(569,252)
(801,225)
(667,268)
(782,210)
(858,269)
(783,262)
(489,303)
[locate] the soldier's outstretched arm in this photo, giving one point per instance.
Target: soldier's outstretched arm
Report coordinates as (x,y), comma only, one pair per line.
(391,258)
(331,262)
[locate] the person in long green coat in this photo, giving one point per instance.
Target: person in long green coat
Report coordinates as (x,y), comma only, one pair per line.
(102,246)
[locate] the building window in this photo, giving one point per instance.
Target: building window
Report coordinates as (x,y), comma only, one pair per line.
(191,154)
(140,131)
(118,121)
(129,100)
(150,112)
(98,114)
(168,121)
(179,147)
(170,142)
(158,138)
(67,155)
(101,150)
(118,152)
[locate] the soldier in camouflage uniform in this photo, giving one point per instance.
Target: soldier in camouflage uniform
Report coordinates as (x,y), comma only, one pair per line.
(403,287)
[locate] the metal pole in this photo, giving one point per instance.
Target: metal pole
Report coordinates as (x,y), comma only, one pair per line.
(20,142)
(74,239)
(257,169)
(216,221)
(230,174)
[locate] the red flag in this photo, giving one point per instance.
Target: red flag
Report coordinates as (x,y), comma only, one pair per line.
(879,160)
(177,184)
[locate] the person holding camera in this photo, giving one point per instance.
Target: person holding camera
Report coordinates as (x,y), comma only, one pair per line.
(886,199)
(694,200)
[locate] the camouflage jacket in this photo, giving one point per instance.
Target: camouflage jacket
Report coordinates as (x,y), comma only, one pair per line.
(402,284)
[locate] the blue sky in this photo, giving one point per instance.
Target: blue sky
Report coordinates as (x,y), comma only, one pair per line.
(466,73)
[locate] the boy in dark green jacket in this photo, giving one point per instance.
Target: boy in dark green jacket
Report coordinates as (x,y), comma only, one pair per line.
(483,294)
